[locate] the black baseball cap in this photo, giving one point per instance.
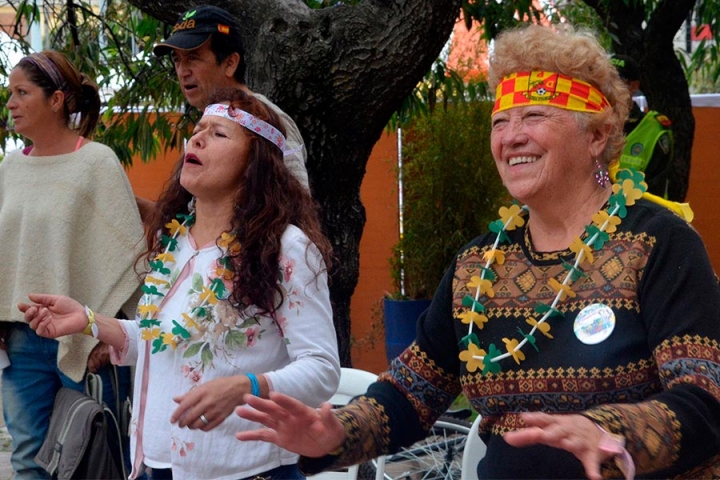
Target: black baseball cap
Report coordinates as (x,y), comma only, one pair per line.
(197,25)
(626,66)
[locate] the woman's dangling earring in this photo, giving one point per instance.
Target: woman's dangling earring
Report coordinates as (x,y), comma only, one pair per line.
(601,174)
(191,206)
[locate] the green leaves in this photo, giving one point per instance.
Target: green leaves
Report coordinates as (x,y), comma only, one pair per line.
(197,282)
(497,226)
(618,204)
(149,323)
(113,47)
(468,339)
(470,303)
(236,340)
(451,191)
(180,331)
(169,242)
(530,338)
(638,178)
(159,267)
(158,345)
(152,290)
(186,219)
(193,349)
(490,365)
(575,273)
(217,286)
(597,237)
(542,309)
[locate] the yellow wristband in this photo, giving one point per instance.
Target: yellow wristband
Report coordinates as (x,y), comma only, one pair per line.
(92,328)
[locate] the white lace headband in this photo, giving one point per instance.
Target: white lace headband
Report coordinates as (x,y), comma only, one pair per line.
(252,123)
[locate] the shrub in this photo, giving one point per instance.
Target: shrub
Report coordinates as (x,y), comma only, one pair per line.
(451,192)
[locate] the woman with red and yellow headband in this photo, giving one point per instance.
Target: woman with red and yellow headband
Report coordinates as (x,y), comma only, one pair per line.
(583,326)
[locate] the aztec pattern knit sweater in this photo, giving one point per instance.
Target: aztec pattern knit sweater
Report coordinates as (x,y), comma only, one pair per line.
(655,380)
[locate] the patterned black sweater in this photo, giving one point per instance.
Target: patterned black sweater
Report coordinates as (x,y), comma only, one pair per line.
(655,380)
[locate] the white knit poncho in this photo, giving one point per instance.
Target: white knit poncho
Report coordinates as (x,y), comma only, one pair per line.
(69,225)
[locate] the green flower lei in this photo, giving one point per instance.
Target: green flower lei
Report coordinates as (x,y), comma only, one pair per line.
(630,185)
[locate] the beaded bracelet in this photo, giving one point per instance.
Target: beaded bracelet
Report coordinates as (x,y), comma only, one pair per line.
(254,384)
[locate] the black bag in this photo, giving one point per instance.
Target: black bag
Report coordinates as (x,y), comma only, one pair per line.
(84,440)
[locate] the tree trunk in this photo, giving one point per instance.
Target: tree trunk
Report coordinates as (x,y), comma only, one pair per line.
(662,78)
(340,72)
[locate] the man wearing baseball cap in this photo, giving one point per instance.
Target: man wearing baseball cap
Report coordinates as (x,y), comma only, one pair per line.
(207,50)
(649,138)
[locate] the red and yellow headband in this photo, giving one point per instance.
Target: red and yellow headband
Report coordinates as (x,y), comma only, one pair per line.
(548,88)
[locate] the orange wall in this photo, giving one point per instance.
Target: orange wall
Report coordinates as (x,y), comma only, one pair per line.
(704,190)
(379,195)
(148,179)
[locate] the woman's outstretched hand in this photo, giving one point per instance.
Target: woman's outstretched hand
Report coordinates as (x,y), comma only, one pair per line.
(53,316)
(575,433)
(292,425)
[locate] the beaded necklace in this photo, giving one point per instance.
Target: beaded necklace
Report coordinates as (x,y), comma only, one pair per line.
(161,278)
(629,187)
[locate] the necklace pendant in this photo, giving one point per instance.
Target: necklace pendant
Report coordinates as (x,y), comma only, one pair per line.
(594,324)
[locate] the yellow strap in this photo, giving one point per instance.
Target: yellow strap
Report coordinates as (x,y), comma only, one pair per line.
(681,209)
(91,322)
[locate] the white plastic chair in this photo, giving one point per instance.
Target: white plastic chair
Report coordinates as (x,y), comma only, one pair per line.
(474,451)
(353,382)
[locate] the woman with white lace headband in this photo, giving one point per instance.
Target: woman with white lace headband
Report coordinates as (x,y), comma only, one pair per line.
(235,302)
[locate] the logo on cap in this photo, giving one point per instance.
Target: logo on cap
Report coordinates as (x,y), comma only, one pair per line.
(187,23)
(184,25)
(223,29)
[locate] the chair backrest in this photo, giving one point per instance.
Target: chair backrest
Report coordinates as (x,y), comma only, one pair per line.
(353,382)
(474,451)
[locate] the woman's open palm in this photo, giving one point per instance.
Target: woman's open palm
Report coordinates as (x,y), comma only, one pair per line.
(292,425)
(53,316)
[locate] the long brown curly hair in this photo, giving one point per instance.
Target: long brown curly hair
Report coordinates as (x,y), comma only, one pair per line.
(270,200)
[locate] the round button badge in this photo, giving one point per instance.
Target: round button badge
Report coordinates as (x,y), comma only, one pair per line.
(594,323)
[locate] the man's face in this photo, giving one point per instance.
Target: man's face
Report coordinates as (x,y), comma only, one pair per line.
(199,73)
(633,85)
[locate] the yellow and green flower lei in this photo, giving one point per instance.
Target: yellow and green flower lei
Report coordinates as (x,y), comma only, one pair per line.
(629,187)
(160,278)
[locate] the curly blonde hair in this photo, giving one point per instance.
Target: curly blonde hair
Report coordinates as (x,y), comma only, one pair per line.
(576,53)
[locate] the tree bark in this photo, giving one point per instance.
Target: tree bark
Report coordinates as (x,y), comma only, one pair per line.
(340,72)
(662,79)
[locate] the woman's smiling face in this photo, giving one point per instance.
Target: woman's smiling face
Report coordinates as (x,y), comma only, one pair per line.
(539,148)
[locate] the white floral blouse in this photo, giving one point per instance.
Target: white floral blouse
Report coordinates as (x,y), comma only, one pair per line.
(297,354)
